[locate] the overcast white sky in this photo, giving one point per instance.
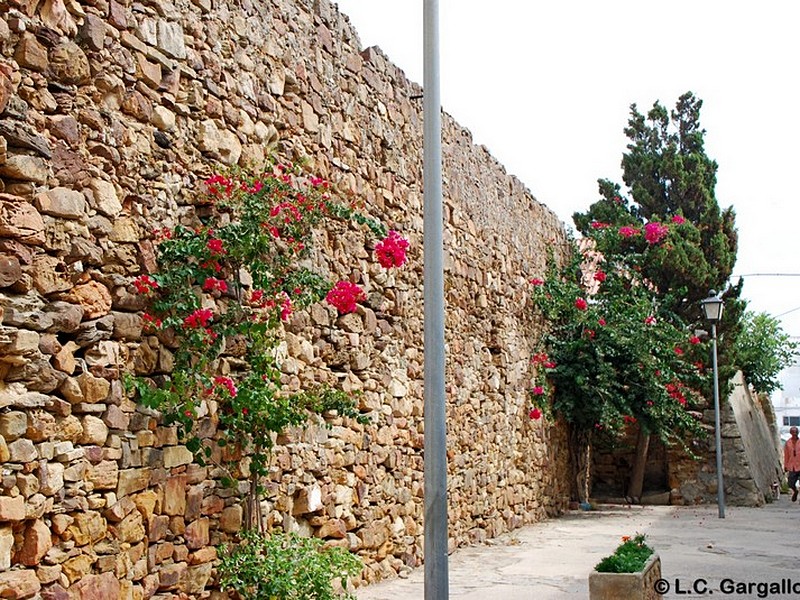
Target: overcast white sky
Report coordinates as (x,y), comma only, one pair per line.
(546,86)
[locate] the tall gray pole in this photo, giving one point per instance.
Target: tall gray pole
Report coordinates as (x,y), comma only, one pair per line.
(718,433)
(436,575)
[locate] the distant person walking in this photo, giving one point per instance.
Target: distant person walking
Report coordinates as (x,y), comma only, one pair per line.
(791,460)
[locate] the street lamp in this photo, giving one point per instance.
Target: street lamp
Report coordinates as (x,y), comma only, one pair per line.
(712,309)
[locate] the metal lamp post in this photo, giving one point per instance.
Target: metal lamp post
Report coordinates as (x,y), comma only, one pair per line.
(712,308)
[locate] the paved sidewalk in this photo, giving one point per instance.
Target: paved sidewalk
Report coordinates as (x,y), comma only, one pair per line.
(701,555)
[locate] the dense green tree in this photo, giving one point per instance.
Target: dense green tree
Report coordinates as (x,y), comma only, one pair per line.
(663,244)
(670,176)
(762,350)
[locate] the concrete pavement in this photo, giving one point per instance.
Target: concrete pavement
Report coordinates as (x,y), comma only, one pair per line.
(738,557)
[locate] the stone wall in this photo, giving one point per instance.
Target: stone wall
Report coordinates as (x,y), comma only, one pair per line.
(751,457)
(111,113)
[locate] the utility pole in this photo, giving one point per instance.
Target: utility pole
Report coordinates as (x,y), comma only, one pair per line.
(435,527)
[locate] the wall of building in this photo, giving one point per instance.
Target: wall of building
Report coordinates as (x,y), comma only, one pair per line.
(111,113)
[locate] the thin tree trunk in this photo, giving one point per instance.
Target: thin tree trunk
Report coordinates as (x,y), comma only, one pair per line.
(636,484)
(581,462)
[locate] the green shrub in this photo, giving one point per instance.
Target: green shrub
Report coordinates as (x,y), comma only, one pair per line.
(629,557)
(285,566)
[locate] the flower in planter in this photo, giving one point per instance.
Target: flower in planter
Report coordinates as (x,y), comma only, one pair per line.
(629,557)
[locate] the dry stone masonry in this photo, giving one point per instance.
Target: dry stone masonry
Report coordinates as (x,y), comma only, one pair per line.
(111,114)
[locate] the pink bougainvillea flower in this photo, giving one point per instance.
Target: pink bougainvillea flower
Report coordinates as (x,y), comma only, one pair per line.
(344,296)
(391,252)
(216,246)
(228,384)
(601,321)
(678,219)
(549,364)
(539,358)
(694,340)
(199,318)
(144,284)
(600,276)
(699,365)
(151,322)
(535,414)
(536,281)
(590,333)
(655,232)
(286,307)
(678,350)
(212,284)
(581,304)
(598,225)
(651,320)
(538,390)
(626,231)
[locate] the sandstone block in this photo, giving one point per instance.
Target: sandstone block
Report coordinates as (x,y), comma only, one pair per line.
(36,543)
(13,425)
(196,534)
(308,500)
(22,451)
(104,197)
(12,509)
(196,578)
(94,431)
(6,545)
(21,220)
(230,520)
(51,478)
(175,496)
(19,584)
(88,527)
(68,64)
(10,270)
(171,576)
(76,568)
(175,456)
(132,480)
(93,297)
(121,509)
(130,529)
(61,202)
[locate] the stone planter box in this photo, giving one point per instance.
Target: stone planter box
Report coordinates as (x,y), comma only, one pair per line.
(630,586)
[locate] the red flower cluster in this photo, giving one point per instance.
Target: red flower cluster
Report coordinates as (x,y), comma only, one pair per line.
(655,232)
(581,304)
(199,318)
(626,231)
(600,276)
(599,225)
(227,383)
(151,322)
(216,246)
(144,284)
(212,284)
(674,391)
(535,414)
(536,281)
(344,295)
(217,184)
(391,252)
(678,219)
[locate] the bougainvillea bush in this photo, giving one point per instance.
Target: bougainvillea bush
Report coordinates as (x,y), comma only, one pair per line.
(219,298)
(614,354)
